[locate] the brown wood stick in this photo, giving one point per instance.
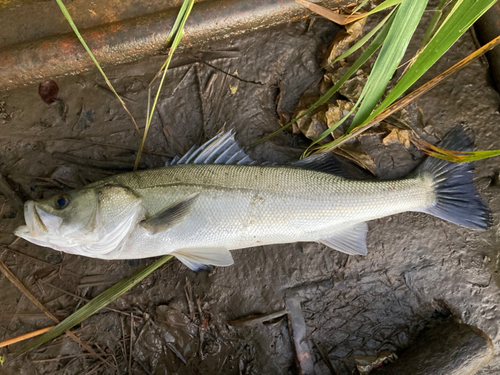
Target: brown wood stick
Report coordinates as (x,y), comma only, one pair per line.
(131,343)
(59,358)
(11,195)
(47,264)
(25,336)
(14,280)
(81,298)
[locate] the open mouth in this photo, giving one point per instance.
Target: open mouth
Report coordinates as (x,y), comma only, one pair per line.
(34,224)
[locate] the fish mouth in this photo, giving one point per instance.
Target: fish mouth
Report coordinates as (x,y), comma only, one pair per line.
(22,231)
(34,225)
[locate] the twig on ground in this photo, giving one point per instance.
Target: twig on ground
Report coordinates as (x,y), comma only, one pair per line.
(82,298)
(325,357)
(60,358)
(256,319)
(189,297)
(94,369)
(107,145)
(9,193)
(124,344)
(47,264)
(95,163)
(144,367)
(297,329)
(3,206)
(131,343)
(24,337)
(148,320)
(14,280)
(202,328)
(109,92)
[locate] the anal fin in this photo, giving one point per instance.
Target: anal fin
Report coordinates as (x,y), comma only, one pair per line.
(351,240)
(201,258)
(170,216)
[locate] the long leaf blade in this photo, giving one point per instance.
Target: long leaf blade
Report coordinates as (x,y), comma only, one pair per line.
(401,103)
(406,20)
(66,14)
(182,16)
(362,41)
(370,50)
(464,15)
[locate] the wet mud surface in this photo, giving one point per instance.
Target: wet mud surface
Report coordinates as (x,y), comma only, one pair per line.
(418,269)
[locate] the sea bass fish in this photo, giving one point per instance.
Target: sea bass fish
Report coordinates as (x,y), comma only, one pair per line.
(215,199)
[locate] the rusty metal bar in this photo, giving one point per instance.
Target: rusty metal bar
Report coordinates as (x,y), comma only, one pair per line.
(133,39)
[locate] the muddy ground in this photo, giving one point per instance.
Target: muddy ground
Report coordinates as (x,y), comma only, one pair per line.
(418,268)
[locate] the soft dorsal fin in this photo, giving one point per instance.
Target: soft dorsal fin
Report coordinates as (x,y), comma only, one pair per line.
(322,162)
(351,240)
(170,216)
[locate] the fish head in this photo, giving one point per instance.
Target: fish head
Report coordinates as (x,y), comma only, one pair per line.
(92,221)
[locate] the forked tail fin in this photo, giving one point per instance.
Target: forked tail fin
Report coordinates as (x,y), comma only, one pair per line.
(457,200)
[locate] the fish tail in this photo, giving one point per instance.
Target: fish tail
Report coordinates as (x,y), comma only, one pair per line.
(457,199)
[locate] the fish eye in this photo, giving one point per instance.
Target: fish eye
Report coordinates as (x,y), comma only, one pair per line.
(62,201)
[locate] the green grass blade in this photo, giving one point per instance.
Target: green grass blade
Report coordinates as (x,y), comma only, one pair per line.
(433,24)
(382,6)
(363,40)
(98,303)
(464,14)
(359,6)
(452,155)
(370,50)
(186,8)
(84,44)
(331,129)
(401,103)
(342,19)
(178,20)
(406,20)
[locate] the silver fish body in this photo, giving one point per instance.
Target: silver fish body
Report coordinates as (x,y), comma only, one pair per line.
(198,212)
(241,206)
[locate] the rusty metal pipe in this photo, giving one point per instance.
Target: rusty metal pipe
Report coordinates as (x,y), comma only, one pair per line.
(136,38)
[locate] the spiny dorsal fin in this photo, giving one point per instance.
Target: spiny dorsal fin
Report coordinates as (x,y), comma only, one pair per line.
(170,216)
(221,149)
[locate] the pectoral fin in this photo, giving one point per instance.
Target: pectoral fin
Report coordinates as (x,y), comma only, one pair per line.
(200,258)
(170,216)
(351,240)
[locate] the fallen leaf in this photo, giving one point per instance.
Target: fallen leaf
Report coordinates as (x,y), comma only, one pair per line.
(48,91)
(337,111)
(353,87)
(397,135)
(340,19)
(360,158)
(343,39)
